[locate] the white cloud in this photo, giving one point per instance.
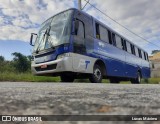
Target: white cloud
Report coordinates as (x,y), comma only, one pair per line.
(15,33)
(22,22)
(1,21)
(26,14)
(142,17)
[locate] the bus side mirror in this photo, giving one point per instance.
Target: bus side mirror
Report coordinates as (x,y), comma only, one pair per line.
(76,26)
(31,38)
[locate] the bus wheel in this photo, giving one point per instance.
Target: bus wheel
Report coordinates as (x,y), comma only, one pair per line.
(137,80)
(67,77)
(96,77)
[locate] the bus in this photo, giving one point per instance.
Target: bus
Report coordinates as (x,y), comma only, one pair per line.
(72,44)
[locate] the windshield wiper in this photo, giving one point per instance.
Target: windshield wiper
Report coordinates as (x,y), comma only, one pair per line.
(49,37)
(46,33)
(46,37)
(37,50)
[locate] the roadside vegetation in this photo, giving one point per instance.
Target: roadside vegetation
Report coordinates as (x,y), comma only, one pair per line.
(19,70)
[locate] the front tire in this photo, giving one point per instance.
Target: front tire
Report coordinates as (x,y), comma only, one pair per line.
(67,77)
(97,75)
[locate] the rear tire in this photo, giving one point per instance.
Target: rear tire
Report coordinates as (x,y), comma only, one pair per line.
(97,75)
(67,77)
(137,80)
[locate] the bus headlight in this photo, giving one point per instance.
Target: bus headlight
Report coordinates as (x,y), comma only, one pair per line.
(63,55)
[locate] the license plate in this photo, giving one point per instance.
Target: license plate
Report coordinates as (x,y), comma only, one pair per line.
(43,66)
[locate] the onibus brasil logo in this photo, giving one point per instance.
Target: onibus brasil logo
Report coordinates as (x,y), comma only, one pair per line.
(21,118)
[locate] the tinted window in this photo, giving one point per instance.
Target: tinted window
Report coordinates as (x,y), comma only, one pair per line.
(145,56)
(79,44)
(118,41)
(124,44)
(132,49)
(140,54)
(103,34)
(113,39)
(110,37)
(136,51)
(128,47)
(80,32)
(97,31)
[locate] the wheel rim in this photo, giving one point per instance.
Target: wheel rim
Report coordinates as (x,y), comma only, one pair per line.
(97,73)
(139,78)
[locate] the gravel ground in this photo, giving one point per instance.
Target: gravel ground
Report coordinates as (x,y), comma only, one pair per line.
(20,98)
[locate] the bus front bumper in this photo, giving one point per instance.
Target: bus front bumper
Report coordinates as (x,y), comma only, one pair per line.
(52,67)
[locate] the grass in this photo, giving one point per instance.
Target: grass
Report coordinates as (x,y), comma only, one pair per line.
(28,77)
(154,80)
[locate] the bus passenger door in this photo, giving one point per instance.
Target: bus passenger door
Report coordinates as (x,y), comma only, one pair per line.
(79,49)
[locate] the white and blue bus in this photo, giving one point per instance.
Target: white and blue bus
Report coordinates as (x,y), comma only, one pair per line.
(73,44)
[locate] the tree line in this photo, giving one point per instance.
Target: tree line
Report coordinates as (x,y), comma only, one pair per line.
(19,64)
(155,51)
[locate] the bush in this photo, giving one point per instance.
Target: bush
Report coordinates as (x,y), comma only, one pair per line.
(21,62)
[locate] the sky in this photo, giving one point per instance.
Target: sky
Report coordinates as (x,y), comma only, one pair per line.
(20,18)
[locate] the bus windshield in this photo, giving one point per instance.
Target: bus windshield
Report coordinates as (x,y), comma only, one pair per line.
(54,32)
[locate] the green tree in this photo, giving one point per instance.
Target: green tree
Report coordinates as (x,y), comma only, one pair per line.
(6,66)
(155,51)
(1,63)
(21,62)
(29,58)
(2,59)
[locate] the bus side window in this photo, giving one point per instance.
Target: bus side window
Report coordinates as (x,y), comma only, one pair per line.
(118,42)
(145,56)
(136,51)
(133,49)
(128,47)
(79,42)
(113,39)
(110,37)
(80,31)
(97,31)
(140,54)
(124,44)
(103,34)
